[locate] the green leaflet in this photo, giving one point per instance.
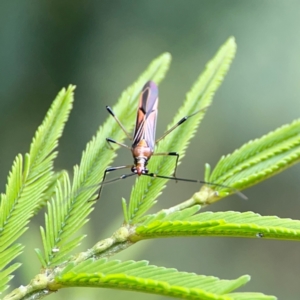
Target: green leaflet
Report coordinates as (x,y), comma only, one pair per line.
(29,180)
(231,224)
(50,191)
(259,159)
(146,190)
(69,211)
(140,276)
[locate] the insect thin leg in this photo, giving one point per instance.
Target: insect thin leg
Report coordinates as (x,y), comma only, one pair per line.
(171,154)
(181,121)
(118,121)
(240,194)
(109,141)
(110,169)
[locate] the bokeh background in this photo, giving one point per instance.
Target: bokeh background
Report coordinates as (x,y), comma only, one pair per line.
(102,47)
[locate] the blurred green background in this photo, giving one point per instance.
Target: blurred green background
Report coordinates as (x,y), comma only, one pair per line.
(102,47)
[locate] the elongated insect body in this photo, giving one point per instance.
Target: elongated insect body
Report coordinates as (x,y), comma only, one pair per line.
(144,134)
(143,140)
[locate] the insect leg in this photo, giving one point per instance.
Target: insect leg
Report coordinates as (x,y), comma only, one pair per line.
(171,154)
(118,121)
(109,141)
(181,121)
(110,169)
(234,190)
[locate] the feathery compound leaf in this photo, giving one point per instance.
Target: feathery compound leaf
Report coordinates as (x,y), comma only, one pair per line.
(233,224)
(147,189)
(259,159)
(50,191)
(5,276)
(250,224)
(68,213)
(26,185)
(139,276)
(57,244)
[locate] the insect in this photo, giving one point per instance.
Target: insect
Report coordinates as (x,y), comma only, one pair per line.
(143,140)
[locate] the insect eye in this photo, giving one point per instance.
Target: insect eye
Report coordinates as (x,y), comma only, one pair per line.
(145,171)
(133,170)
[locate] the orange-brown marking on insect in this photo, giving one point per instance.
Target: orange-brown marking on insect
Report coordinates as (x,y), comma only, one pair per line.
(141,154)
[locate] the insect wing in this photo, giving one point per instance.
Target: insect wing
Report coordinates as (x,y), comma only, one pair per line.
(145,126)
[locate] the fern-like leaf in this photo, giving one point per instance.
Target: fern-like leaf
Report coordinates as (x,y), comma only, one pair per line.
(230,224)
(50,191)
(146,190)
(28,181)
(69,211)
(140,276)
(258,159)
